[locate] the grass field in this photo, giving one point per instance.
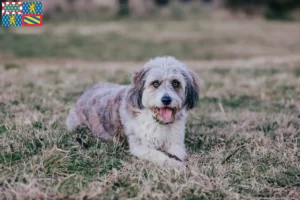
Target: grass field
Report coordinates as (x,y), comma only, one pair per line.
(242,139)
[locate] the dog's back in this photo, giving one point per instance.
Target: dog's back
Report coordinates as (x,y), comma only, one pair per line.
(98,109)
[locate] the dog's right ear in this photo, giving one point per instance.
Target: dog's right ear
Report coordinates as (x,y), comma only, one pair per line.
(136,92)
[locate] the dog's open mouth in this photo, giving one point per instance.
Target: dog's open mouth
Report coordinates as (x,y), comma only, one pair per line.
(165,115)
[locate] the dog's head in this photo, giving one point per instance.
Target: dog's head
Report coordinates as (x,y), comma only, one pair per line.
(165,86)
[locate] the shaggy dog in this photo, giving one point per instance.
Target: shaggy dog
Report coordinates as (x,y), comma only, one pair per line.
(150,113)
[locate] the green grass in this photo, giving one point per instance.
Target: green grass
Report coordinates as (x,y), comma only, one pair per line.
(9,66)
(100,47)
(129,39)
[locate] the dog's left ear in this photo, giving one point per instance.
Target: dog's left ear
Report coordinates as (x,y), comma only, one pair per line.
(192,90)
(136,92)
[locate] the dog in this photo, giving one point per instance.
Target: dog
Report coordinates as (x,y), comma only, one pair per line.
(150,113)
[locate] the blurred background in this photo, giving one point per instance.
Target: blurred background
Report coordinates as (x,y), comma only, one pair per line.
(136,30)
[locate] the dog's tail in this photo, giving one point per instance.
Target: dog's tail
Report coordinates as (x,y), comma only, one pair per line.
(73,120)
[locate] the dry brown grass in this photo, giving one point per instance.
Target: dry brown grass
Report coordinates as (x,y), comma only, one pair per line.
(242,139)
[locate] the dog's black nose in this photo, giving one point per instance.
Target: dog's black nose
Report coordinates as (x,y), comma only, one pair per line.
(166,100)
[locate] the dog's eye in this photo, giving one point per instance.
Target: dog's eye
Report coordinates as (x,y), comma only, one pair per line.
(156,84)
(175,84)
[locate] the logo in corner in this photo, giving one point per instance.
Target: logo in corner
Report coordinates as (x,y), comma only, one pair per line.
(22,14)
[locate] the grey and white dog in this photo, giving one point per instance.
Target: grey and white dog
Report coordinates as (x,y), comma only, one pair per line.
(150,113)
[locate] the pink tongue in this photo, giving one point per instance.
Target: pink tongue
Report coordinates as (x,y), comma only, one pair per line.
(166,113)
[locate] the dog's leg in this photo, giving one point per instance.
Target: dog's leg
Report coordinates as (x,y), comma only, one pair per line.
(176,145)
(73,120)
(97,127)
(153,155)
